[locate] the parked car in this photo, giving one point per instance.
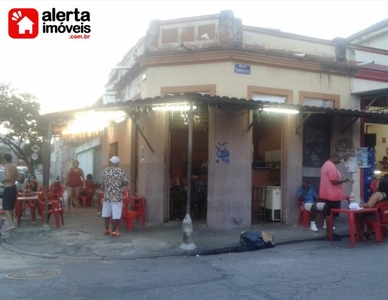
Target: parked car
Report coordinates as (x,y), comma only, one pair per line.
(23,170)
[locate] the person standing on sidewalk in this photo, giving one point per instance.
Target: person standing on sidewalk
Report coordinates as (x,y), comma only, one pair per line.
(113,179)
(75,180)
(11,175)
(331,188)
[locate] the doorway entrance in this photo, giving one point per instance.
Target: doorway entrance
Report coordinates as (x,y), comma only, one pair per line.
(266,168)
(178,165)
(374,137)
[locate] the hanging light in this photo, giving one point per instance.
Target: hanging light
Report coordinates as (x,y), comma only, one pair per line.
(281,110)
(172,108)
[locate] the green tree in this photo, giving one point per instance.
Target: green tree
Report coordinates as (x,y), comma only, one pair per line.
(19,115)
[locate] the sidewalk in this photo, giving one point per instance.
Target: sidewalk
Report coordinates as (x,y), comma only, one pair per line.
(81,238)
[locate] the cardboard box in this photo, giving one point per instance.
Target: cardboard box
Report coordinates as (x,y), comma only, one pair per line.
(268,237)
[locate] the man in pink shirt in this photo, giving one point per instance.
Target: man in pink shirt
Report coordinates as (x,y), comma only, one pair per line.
(331,190)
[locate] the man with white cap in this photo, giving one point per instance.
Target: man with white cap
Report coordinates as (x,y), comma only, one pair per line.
(113,179)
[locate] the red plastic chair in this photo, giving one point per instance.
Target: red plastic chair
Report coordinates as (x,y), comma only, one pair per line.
(132,211)
(22,206)
(56,190)
(382,206)
(54,207)
(88,198)
(304,217)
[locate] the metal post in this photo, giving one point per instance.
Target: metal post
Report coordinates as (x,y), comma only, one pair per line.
(46,152)
(187,225)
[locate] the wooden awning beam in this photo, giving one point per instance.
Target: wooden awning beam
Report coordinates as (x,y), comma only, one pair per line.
(140,131)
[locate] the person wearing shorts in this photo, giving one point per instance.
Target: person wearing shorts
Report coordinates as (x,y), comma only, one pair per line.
(307,194)
(11,175)
(331,188)
(113,179)
(74,181)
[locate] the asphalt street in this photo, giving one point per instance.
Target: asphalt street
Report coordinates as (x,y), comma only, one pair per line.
(306,270)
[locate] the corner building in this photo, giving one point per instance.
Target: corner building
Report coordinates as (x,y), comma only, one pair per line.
(233,73)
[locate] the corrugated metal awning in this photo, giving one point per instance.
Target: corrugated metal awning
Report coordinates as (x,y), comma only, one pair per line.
(243,104)
(219,101)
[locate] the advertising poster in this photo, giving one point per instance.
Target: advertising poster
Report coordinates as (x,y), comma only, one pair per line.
(362,157)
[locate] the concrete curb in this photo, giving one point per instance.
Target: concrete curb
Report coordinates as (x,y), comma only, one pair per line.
(196,252)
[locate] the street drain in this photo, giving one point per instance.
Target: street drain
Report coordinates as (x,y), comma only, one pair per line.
(29,275)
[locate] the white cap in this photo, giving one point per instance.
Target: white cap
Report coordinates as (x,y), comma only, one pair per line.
(114,159)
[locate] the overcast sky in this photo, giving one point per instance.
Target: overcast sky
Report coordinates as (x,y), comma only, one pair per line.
(65,74)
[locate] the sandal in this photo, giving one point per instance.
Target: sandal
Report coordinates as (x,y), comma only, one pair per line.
(115,234)
(107,232)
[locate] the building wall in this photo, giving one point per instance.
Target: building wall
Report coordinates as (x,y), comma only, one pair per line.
(152,165)
(120,134)
(231,84)
(229,179)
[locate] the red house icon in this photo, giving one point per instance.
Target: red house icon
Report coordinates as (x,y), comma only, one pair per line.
(25,26)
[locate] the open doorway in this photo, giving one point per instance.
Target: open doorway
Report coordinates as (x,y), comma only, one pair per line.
(266,168)
(374,139)
(178,165)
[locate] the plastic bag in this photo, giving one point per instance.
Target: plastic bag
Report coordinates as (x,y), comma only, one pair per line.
(251,241)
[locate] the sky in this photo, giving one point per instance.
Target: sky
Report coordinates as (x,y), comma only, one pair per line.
(64,73)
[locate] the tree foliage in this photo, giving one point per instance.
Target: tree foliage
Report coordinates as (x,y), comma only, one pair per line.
(19,115)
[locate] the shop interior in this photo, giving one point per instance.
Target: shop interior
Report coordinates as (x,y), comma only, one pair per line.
(376,139)
(266,167)
(178,164)
(267,130)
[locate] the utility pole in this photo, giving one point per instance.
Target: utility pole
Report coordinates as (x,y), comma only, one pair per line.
(187,225)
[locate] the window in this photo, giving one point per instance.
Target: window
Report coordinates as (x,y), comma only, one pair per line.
(202,89)
(271,98)
(318,102)
(319,99)
(275,95)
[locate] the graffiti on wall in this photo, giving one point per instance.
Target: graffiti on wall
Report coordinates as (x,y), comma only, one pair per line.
(222,153)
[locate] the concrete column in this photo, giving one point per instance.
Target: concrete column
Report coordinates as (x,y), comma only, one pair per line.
(230,170)
(291,168)
(152,181)
(230,29)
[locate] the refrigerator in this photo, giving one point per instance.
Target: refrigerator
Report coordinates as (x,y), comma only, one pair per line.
(273,203)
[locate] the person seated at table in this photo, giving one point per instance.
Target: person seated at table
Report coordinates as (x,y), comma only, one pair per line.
(31,185)
(175,183)
(89,185)
(307,194)
(380,195)
(384,164)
